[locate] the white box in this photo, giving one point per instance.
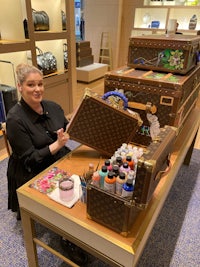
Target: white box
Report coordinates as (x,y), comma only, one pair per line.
(91,72)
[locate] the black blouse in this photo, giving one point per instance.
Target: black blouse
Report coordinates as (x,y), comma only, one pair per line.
(30,135)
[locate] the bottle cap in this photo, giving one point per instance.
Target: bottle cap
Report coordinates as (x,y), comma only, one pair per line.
(128,158)
(104,168)
(107,162)
(115,170)
(129,182)
(122,175)
(110,175)
(119,159)
(125,165)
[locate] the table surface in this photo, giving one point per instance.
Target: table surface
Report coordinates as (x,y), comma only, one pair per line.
(95,238)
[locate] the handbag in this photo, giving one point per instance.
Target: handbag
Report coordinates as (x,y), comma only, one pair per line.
(65,56)
(63,20)
(46,62)
(40,20)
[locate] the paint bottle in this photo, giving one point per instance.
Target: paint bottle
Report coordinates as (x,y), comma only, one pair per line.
(89,173)
(103,172)
(110,182)
(132,176)
(119,161)
(125,168)
(127,189)
(115,169)
(120,180)
(108,164)
(130,162)
(96,179)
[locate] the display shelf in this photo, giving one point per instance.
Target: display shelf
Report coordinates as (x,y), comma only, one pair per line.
(171,3)
(145,16)
(163,11)
(44,36)
(15,48)
(9,46)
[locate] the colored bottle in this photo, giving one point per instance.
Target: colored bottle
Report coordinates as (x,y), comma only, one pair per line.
(120,180)
(110,182)
(127,189)
(89,173)
(131,176)
(103,172)
(96,179)
(130,162)
(108,165)
(115,169)
(118,161)
(125,168)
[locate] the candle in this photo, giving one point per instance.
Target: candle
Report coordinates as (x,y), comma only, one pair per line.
(66,189)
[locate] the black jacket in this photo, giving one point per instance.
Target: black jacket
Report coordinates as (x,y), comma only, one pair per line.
(30,135)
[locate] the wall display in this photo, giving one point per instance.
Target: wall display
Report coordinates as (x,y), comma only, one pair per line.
(163,11)
(40,20)
(32,23)
(64,20)
(65,55)
(46,62)
(193,22)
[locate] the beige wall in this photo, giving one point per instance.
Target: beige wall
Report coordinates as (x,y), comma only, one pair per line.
(114,16)
(102,16)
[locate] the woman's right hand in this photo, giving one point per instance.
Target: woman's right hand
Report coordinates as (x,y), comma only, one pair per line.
(62,138)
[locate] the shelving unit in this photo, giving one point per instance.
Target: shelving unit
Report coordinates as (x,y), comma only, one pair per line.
(162,11)
(14,47)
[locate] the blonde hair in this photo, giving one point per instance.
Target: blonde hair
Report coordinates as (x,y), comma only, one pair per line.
(23,70)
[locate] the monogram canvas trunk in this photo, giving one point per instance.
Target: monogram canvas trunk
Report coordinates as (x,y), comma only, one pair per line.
(119,213)
(174,53)
(98,124)
(170,97)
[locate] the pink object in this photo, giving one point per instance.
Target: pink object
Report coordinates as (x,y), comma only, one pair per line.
(66,189)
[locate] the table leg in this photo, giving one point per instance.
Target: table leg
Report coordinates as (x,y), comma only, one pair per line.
(29,235)
(189,152)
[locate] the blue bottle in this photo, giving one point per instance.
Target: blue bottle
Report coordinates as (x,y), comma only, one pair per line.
(127,189)
(103,173)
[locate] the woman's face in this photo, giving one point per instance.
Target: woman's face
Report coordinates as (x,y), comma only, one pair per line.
(32,89)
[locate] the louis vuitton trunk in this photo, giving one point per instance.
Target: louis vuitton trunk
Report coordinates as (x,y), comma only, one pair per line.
(169,97)
(175,53)
(98,124)
(119,213)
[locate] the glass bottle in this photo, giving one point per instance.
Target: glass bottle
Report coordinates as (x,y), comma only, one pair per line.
(96,179)
(103,172)
(108,165)
(127,189)
(120,180)
(110,182)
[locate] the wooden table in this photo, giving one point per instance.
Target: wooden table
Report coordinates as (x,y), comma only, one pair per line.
(73,223)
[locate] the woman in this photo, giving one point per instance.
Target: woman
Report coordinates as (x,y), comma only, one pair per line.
(36,132)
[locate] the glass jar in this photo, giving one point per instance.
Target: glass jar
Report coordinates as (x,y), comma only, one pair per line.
(66,188)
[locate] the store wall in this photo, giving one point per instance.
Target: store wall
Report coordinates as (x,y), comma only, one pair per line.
(102,16)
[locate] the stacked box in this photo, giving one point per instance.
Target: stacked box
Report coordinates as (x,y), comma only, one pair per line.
(170,97)
(174,53)
(84,55)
